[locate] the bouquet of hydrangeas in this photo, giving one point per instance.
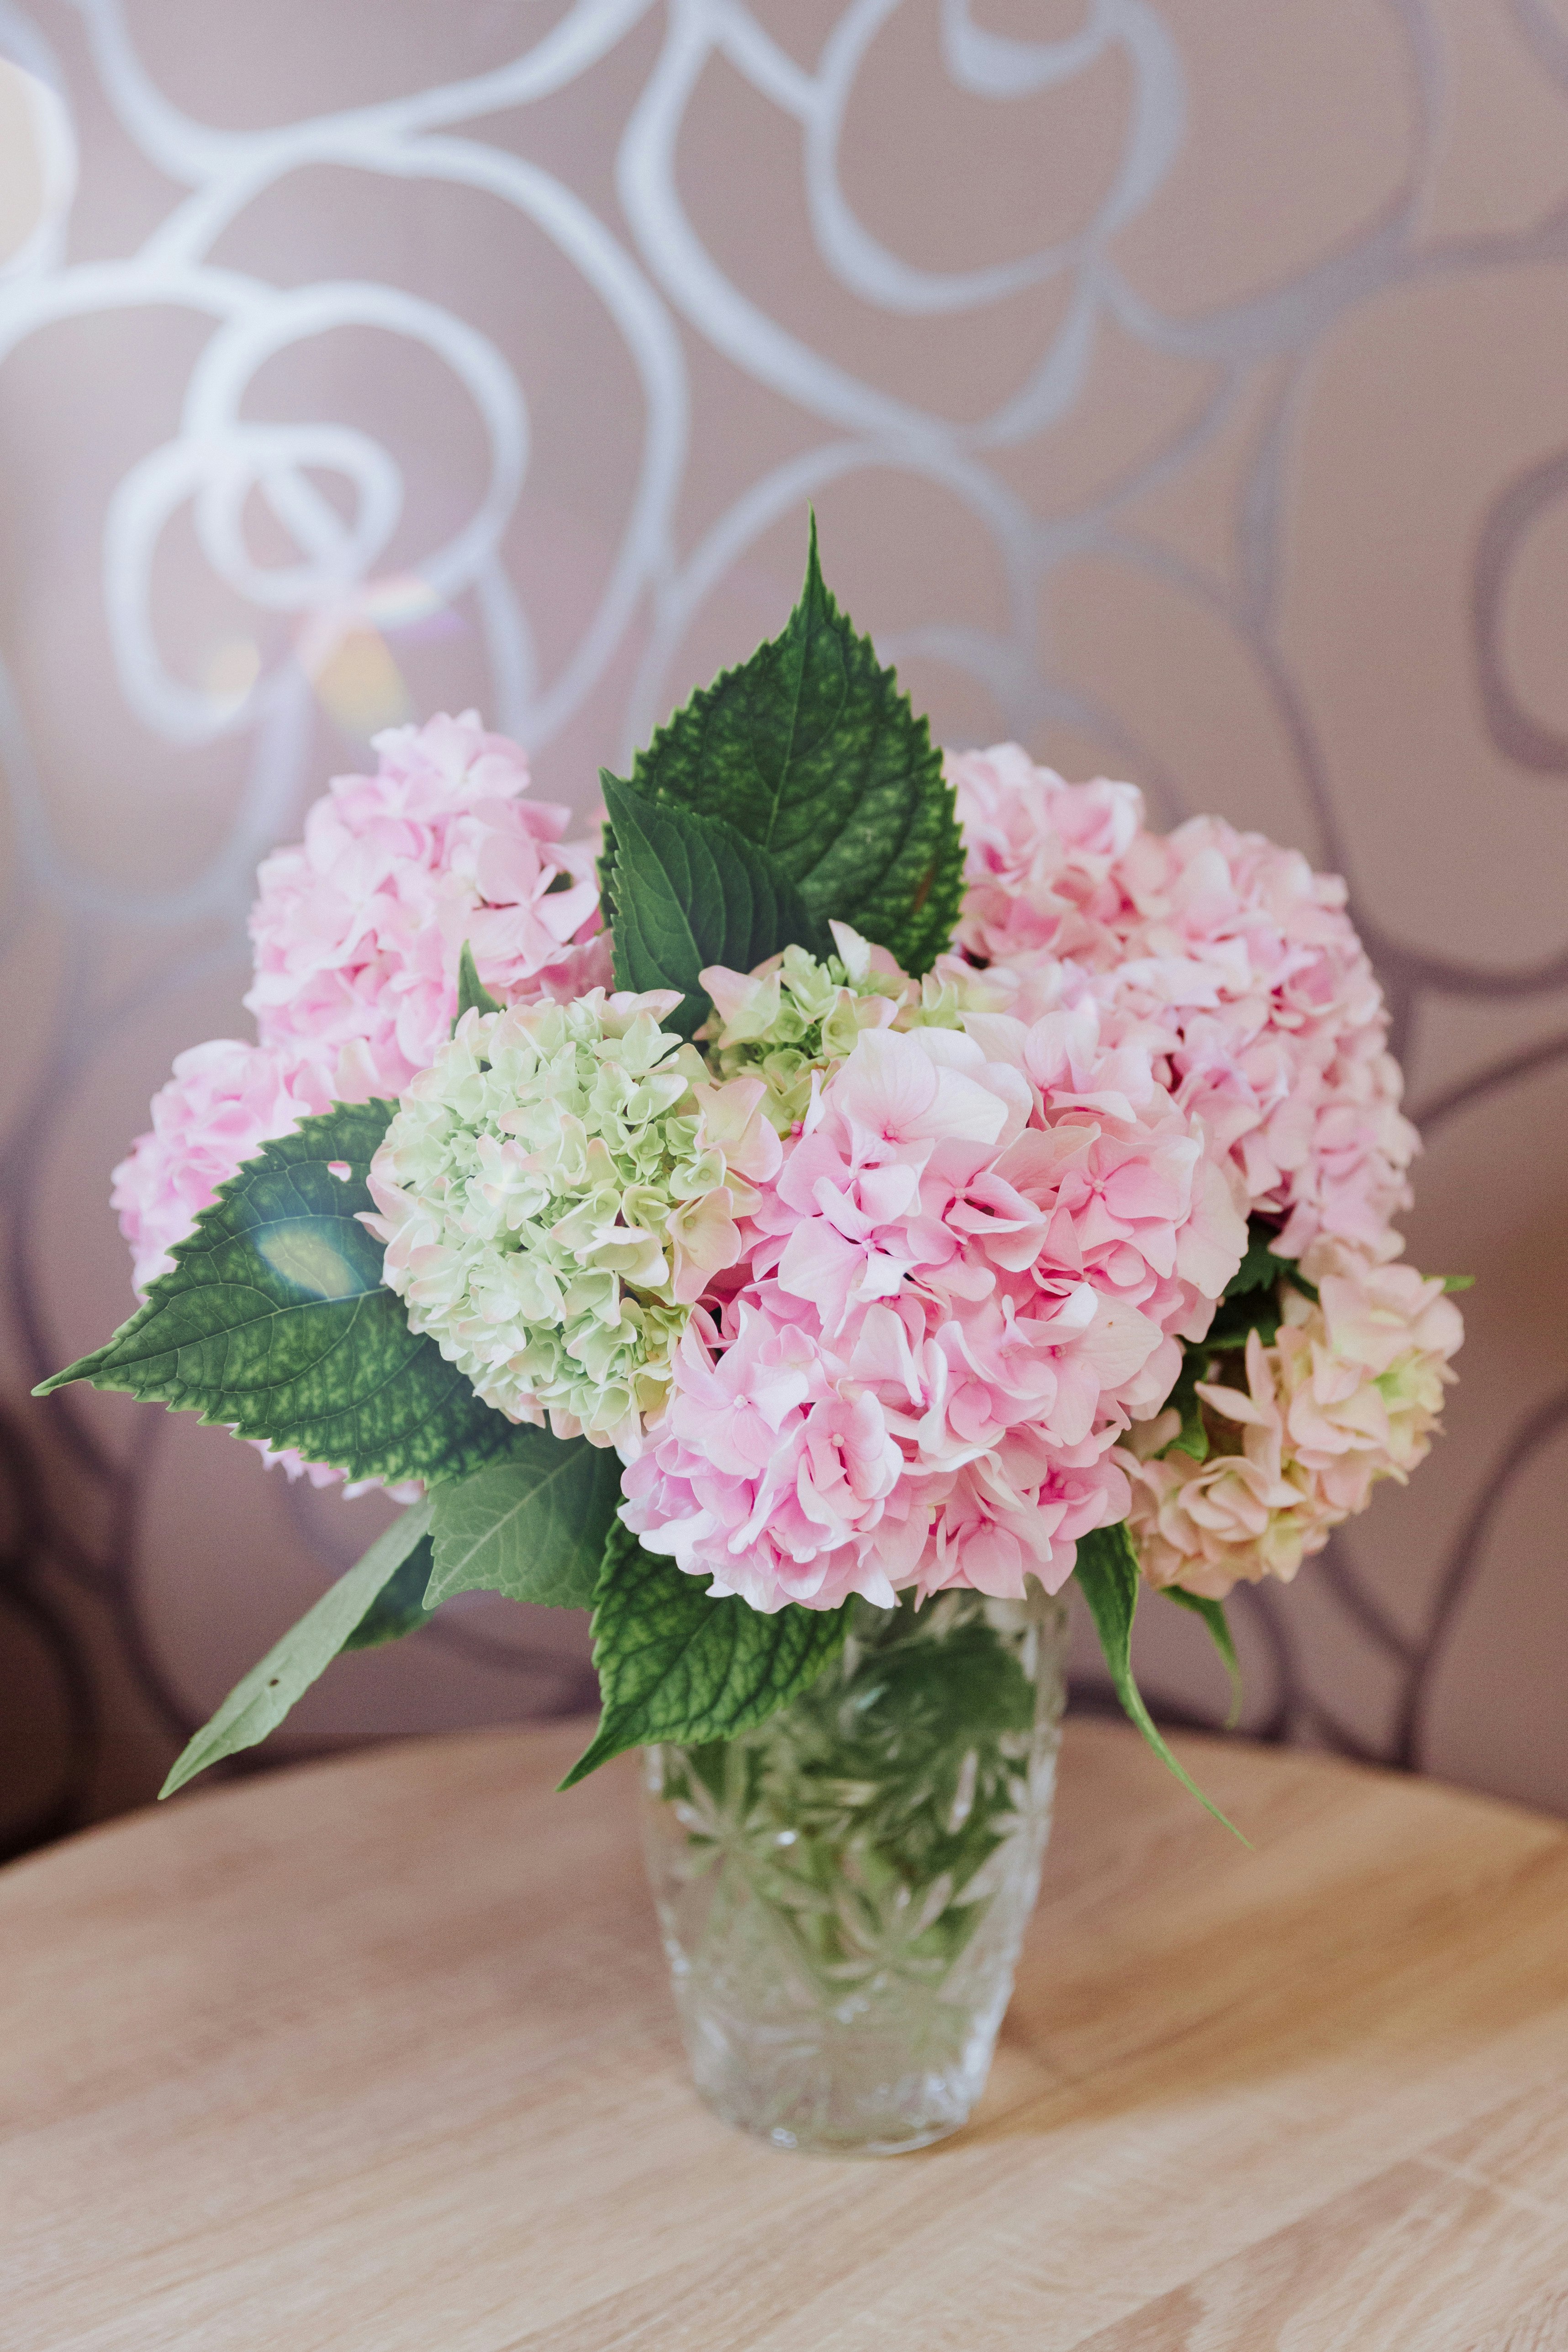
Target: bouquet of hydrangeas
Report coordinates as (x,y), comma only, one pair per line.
(843,1181)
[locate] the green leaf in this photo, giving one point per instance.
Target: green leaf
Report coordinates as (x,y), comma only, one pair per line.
(259,1703)
(532,1526)
(1260,1265)
(810,751)
(1214,1617)
(1458,1282)
(685,891)
(1191,1438)
(1235,1318)
(399,1607)
(1261,1268)
(1107,1577)
(274,1322)
(675,1666)
(471,991)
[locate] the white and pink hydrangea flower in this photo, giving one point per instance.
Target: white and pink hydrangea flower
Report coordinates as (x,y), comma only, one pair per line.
(1348,1394)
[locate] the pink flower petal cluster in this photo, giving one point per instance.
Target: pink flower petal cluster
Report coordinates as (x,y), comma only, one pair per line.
(969,1271)
(1349,1394)
(1235,963)
(358,930)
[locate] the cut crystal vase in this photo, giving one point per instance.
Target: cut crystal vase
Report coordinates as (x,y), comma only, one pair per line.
(843,1891)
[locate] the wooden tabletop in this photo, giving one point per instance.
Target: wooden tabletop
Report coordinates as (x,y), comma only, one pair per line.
(378,2056)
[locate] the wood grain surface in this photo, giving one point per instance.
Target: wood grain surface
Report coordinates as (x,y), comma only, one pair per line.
(378,2056)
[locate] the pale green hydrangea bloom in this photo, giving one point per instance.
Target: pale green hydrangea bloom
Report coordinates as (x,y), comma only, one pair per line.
(555,1192)
(796,1017)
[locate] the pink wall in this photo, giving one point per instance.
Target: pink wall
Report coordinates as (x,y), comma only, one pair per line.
(1182,387)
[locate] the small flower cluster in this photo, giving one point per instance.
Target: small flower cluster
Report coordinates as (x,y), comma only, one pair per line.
(1348,1393)
(971,1268)
(1236,964)
(555,1192)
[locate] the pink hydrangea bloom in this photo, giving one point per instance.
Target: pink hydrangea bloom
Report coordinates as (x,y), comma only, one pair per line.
(969,1272)
(358,930)
(357,934)
(1234,961)
(1349,1394)
(222,1103)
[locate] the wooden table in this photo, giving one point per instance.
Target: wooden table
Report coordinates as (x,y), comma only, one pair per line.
(378,2056)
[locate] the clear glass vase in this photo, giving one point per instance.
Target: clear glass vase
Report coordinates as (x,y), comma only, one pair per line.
(843,1891)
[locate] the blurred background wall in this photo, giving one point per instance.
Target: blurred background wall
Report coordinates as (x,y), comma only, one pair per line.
(1183,389)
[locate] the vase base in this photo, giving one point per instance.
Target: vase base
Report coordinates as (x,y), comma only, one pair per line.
(845,2148)
(848,2151)
(854,2095)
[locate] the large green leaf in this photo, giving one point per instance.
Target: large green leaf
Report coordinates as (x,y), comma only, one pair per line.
(275,1321)
(675,1666)
(259,1703)
(684,891)
(810,751)
(532,1526)
(1107,1577)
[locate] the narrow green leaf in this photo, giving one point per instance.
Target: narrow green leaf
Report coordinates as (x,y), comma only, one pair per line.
(686,891)
(675,1666)
(399,1607)
(810,751)
(275,1322)
(1107,1577)
(531,1525)
(1458,1282)
(1214,1617)
(1191,1438)
(471,991)
(259,1703)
